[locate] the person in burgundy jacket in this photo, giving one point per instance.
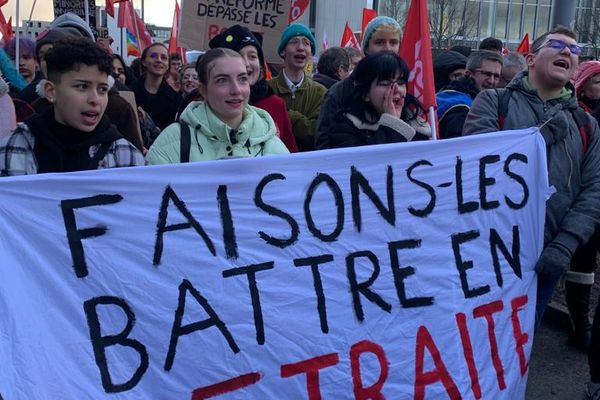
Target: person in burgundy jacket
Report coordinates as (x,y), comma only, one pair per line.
(243,41)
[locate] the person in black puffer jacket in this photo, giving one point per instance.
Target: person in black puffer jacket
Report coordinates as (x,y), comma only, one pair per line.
(379,111)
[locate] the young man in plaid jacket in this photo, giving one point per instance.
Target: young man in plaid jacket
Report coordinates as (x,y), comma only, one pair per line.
(74,134)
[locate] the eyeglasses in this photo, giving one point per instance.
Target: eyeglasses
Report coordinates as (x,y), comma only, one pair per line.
(488,74)
(559,45)
(299,40)
(156,56)
(390,82)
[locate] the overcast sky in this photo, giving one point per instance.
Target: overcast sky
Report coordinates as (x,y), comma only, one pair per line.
(159,12)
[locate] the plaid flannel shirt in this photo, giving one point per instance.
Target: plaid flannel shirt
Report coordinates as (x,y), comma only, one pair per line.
(17,156)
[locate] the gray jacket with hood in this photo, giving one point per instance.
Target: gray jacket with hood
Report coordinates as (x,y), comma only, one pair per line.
(573,212)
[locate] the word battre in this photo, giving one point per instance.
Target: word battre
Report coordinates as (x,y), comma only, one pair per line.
(250,12)
(423,348)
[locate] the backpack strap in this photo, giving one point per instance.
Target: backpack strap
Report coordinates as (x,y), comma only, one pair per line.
(185,142)
(503,99)
(584,125)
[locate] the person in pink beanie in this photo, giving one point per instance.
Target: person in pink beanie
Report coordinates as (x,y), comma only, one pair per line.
(586,80)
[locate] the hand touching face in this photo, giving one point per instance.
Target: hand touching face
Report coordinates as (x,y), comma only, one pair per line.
(387,96)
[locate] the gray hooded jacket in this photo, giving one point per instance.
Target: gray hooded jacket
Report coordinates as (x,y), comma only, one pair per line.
(573,212)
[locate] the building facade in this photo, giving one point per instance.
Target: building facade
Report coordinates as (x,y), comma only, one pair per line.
(469,21)
(32,28)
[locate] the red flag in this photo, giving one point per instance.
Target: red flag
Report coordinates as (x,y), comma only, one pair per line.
(524,45)
(6,28)
(348,38)
(297,8)
(416,51)
(145,39)
(174,30)
(125,19)
(130,20)
(368,15)
(110,8)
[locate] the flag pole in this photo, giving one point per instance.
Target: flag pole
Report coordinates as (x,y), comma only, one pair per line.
(17,47)
(432,123)
(30,16)
(86,6)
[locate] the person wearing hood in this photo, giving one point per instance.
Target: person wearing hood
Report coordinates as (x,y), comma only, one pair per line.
(454,101)
(223,125)
(448,66)
(73,134)
(543,96)
(242,40)
(382,33)
(71,20)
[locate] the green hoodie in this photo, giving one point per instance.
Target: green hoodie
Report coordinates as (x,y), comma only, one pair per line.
(211,139)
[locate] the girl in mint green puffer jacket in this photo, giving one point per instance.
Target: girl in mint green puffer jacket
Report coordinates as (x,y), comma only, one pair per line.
(223,125)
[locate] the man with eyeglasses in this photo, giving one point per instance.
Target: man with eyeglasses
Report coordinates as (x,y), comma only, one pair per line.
(454,101)
(543,96)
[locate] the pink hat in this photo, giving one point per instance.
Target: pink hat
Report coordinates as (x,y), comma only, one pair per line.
(584,72)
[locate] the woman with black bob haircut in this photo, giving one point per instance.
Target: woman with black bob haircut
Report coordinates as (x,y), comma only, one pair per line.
(379,110)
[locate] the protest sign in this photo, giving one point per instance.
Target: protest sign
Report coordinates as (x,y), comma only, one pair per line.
(77,7)
(202,20)
(404,271)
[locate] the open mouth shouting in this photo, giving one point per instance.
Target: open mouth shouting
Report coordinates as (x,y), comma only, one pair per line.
(300,59)
(90,118)
(562,63)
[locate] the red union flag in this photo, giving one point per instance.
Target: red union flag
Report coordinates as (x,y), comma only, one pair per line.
(416,51)
(524,45)
(174,30)
(6,28)
(348,38)
(110,8)
(297,8)
(368,15)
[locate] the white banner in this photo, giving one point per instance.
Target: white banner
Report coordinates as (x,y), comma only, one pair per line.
(396,271)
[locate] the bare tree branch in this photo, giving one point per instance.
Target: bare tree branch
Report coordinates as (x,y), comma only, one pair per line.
(449,20)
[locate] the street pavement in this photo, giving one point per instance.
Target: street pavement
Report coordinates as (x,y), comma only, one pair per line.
(557,370)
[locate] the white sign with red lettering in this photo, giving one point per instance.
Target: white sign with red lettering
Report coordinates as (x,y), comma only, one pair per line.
(395,271)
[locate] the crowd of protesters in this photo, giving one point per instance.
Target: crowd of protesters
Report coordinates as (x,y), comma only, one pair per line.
(63,109)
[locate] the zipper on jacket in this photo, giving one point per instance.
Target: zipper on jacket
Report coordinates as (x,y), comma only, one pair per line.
(570,164)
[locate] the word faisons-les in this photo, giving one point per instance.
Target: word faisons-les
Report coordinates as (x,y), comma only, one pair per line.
(361,291)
